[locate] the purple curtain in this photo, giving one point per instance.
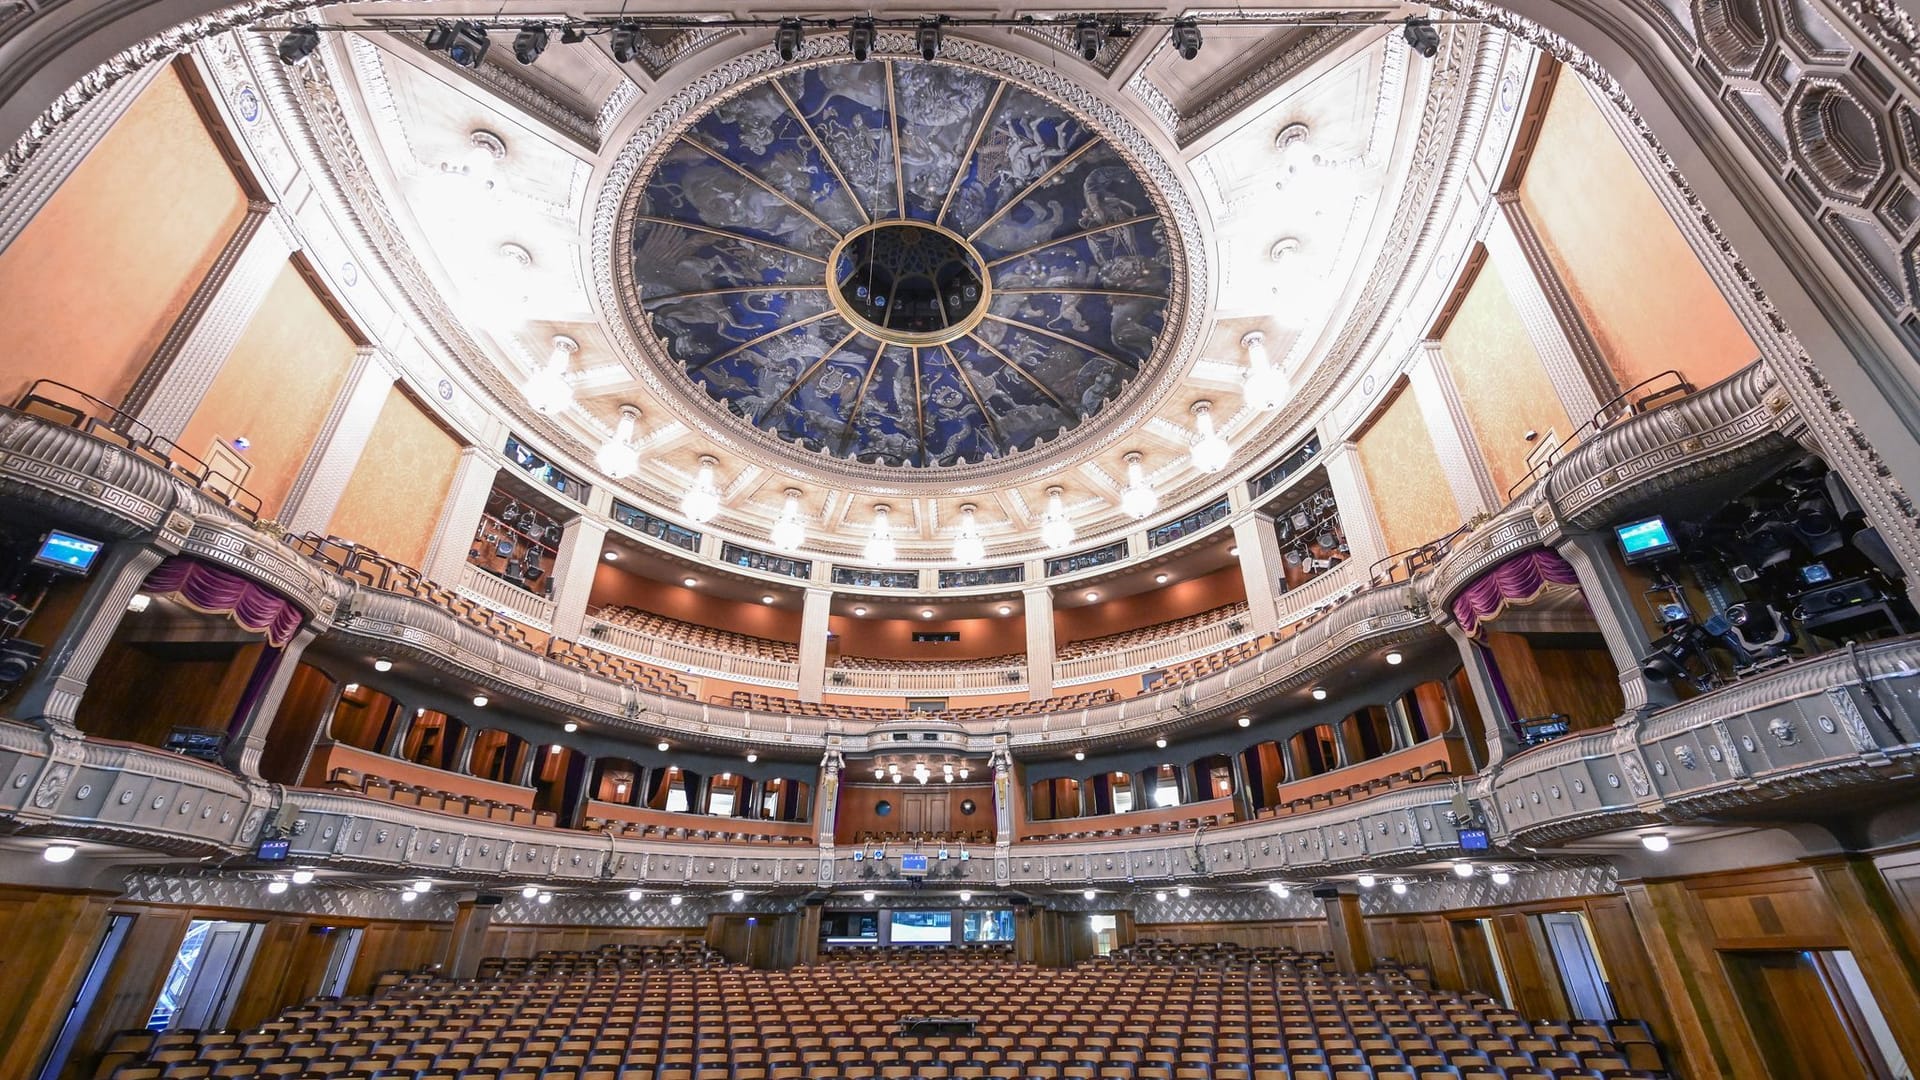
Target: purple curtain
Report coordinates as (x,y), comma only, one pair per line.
(212,590)
(1516,581)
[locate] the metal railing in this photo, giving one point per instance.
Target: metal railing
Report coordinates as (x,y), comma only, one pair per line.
(928,680)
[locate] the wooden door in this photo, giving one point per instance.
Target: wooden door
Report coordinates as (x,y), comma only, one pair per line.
(1796,1023)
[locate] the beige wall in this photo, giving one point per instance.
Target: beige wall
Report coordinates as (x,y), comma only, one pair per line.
(393,500)
(1636,283)
(276,387)
(1410,493)
(1503,385)
(92,284)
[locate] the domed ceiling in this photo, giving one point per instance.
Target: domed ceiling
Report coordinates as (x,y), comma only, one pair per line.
(901,263)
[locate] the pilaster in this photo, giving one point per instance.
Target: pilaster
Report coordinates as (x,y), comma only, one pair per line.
(1259,544)
(460,515)
(1453,443)
(249,738)
(1615,608)
(336,452)
(1349,483)
(573,568)
(1579,373)
(66,146)
(815,606)
(190,357)
(1037,602)
(52,696)
(1501,740)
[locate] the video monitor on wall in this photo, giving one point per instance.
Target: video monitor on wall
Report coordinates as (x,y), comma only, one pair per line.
(1645,541)
(922,928)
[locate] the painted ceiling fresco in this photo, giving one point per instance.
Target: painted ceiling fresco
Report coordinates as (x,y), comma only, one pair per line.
(737,233)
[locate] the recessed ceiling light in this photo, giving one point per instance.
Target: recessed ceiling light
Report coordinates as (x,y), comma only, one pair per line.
(1501,877)
(1161,743)
(752,757)
(766,599)
(1160,896)
(350,688)
(867,896)
(859,611)
(1319,693)
(1655,841)
(689,582)
(635,895)
(674,900)
(926,613)
(276,887)
(1006,609)
(1160,579)
(966,897)
(663,746)
(302,876)
(1399,887)
(1234,551)
(1367,881)
(546,898)
(409,896)
(1245,721)
(570,727)
(479,701)
(1462,868)
(383,664)
(58,852)
(423,886)
(1394,658)
(1079,755)
(739,895)
(1090,894)
(1092,596)
(1183,892)
(530,892)
(1278,889)
(611,556)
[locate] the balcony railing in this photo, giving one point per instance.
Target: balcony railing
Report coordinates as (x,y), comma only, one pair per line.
(530,608)
(1199,641)
(698,659)
(929,680)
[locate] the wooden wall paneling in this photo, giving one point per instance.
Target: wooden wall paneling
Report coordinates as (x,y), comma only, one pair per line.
(1881,943)
(1791,1015)
(1777,908)
(1443,959)
(41,969)
(1714,1040)
(395,946)
(309,702)
(286,970)
(1636,988)
(133,982)
(1531,972)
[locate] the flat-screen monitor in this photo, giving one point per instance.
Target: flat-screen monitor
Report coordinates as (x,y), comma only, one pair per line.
(921,928)
(1645,541)
(1815,573)
(273,850)
(1473,840)
(67,553)
(912,863)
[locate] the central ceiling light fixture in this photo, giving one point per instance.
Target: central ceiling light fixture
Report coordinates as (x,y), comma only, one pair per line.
(702,500)
(969,546)
(789,532)
(1210,449)
(618,457)
(1265,387)
(547,389)
(1056,528)
(879,550)
(1137,498)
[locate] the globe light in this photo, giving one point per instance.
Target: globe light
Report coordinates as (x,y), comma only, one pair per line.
(789,532)
(1056,528)
(547,389)
(969,546)
(618,457)
(1265,387)
(1210,451)
(1137,499)
(880,550)
(702,500)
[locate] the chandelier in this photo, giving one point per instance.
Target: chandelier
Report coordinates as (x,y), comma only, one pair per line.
(618,457)
(1265,386)
(1056,528)
(1210,451)
(879,550)
(1137,499)
(788,533)
(969,546)
(547,389)
(702,500)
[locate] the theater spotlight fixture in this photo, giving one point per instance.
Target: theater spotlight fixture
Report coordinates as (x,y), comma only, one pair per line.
(298,44)
(860,38)
(1186,38)
(530,42)
(624,43)
(1421,36)
(1088,37)
(465,43)
(787,39)
(926,37)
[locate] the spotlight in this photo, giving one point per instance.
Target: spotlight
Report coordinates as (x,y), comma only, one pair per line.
(1421,36)
(276,887)
(867,896)
(1160,896)
(569,727)
(1186,38)
(787,39)
(572,35)
(689,582)
(1244,721)
(1655,842)
(1319,693)
(423,886)
(927,37)
(739,895)
(860,38)
(58,853)
(674,900)
(1463,868)
(1183,892)
(1087,37)
(530,42)
(1501,877)
(465,43)
(1399,887)
(752,757)
(766,599)
(545,898)
(1160,579)
(529,892)
(302,877)
(859,611)
(662,747)
(350,688)
(1367,881)
(1005,610)
(383,664)
(299,44)
(625,43)
(635,895)
(479,701)
(1079,755)
(611,556)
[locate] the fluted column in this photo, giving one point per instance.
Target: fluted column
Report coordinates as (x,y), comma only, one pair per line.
(1259,544)
(1453,443)
(1579,373)
(1349,483)
(573,569)
(1038,603)
(249,736)
(1501,739)
(816,606)
(343,438)
(52,695)
(190,357)
(460,516)
(1615,608)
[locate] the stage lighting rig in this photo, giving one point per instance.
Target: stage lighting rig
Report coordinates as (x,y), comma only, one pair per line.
(1186,38)
(927,36)
(860,38)
(530,42)
(299,44)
